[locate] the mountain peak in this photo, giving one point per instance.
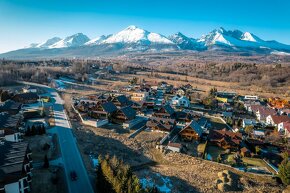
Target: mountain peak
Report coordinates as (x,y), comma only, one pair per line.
(75,40)
(49,42)
(131,27)
(220,30)
(133,35)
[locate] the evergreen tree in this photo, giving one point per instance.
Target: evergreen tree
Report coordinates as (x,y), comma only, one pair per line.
(46,162)
(284,170)
(33,130)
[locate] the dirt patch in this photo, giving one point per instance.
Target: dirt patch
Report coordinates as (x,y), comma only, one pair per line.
(40,146)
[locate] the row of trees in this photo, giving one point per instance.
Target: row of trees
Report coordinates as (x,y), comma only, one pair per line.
(114,176)
(35,130)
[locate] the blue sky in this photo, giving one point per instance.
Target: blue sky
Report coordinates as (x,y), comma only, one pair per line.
(26,21)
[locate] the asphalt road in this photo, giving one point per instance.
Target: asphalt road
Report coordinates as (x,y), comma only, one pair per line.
(71,157)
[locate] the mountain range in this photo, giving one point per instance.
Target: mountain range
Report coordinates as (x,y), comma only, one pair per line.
(134,39)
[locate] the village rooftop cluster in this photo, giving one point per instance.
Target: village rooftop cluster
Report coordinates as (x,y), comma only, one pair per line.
(246,132)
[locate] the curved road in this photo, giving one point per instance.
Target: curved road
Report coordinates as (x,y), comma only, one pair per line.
(71,157)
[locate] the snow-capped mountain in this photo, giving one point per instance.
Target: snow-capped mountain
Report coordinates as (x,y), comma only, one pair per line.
(135,35)
(75,40)
(238,39)
(135,39)
(97,40)
(48,43)
(185,43)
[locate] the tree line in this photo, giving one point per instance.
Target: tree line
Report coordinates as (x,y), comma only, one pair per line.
(113,176)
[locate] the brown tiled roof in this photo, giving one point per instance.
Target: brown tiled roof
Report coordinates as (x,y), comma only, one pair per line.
(264,112)
(217,135)
(280,118)
(177,145)
(244,149)
(287,126)
(162,123)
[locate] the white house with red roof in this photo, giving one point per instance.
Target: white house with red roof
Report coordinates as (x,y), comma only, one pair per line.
(276,119)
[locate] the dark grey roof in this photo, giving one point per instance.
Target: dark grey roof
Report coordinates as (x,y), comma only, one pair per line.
(169,109)
(9,105)
(25,96)
(129,112)
(109,107)
(12,159)
(123,100)
(195,126)
(9,121)
(12,156)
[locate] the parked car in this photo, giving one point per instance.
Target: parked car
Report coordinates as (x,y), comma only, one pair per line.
(73,176)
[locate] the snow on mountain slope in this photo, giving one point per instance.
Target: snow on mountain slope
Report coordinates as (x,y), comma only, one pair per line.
(247,36)
(133,34)
(75,40)
(49,42)
(97,40)
(185,42)
(234,38)
(134,39)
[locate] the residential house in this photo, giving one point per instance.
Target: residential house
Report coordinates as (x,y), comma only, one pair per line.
(225,139)
(285,112)
(226,97)
(245,152)
(258,134)
(121,101)
(103,110)
(124,114)
(165,111)
(161,124)
(9,127)
(180,101)
(15,167)
(86,105)
(203,122)
(99,98)
(180,92)
(10,135)
(28,89)
(274,120)
(284,128)
(253,107)
(139,96)
(251,97)
(249,122)
(10,107)
(262,113)
(153,85)
(26,97)
(175,147)
(192,131)
(227,114)
(183,117)
(138,106)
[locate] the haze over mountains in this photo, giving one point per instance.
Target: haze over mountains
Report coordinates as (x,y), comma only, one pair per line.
(134,39)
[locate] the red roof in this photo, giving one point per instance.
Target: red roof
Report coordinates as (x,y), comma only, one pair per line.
(287,125)
(177,145)
(280,118)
